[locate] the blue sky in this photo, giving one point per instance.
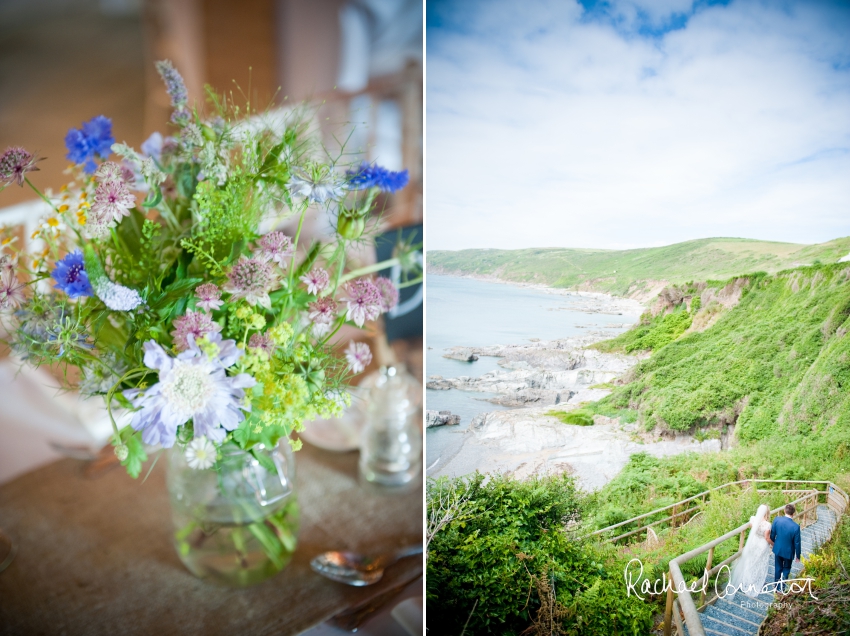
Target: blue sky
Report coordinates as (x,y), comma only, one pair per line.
(619,124)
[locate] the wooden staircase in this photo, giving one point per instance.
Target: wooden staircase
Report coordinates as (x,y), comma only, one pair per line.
(693,612)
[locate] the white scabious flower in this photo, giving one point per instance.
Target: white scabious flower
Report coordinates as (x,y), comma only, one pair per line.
(193,386)
(200,453)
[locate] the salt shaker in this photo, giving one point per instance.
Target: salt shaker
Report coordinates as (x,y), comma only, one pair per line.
(391,442)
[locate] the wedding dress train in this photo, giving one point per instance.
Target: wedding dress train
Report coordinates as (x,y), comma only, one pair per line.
(750,571)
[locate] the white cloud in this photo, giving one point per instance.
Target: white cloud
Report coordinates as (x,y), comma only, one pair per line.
(545,128)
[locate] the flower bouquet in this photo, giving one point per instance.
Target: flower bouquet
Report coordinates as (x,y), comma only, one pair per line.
(153,277)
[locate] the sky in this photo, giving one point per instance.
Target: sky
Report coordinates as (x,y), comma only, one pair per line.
(623,124)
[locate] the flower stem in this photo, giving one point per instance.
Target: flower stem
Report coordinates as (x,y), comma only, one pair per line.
(377,267)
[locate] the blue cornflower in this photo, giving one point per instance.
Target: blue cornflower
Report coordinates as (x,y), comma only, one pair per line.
(70,276)
(94,137)
(370,176)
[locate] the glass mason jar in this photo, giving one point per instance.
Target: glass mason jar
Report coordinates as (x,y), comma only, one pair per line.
(235,524)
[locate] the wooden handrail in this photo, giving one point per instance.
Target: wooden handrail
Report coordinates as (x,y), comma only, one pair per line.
(702,496)
(685,602)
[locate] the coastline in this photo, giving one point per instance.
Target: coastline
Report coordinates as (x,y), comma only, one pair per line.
(539,377)
(643,297)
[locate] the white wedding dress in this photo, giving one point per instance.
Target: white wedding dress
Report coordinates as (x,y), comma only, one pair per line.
(750,571)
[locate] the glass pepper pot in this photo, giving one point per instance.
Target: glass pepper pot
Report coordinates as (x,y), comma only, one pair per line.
(391,442)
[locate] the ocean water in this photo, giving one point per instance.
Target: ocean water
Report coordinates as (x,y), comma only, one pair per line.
(467,312)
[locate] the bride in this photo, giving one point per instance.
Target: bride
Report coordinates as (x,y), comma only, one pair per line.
(750,571)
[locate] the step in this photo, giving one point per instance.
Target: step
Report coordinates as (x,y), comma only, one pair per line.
(734,606)
(723,627)
(732,618)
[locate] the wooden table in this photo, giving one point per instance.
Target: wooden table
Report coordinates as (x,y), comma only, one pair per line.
(95,554)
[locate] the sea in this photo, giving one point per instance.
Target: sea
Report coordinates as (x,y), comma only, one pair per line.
(469,312)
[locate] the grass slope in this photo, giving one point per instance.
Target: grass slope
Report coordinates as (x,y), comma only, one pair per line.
(777,366)
(621,271)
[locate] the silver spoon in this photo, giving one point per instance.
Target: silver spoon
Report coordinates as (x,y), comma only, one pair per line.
(356,569)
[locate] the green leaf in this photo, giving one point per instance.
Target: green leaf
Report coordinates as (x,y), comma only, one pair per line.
(236,250)
(136,451)
(153,199)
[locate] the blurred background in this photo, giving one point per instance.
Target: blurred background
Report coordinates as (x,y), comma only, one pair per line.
(62,62)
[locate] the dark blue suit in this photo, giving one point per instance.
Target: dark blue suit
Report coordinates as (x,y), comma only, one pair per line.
(785,534)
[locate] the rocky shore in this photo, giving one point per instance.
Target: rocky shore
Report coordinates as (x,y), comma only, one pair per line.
(538,373)
(541,377)
(528,441)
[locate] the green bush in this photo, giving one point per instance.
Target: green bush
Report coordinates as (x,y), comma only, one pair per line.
(578,417)
(482,565)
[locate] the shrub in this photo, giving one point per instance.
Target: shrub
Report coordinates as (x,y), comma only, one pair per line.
(482,567)
(578,417)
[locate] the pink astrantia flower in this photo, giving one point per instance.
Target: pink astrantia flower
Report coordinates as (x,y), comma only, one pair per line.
(322,313)
(275,246)
(262,341)
(108,171)
(196,323)
(251,279)
(15,163)
(11,291)
(112,200)
(389,294)
(358,356)
(364,301)
(209,297)
(316,280)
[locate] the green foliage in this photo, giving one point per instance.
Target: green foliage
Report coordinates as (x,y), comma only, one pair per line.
(775,362)
(136,451)
(652,335)
(631,271)
(481,565)
(578,417)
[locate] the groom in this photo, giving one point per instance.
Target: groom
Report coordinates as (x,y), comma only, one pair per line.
(785,538)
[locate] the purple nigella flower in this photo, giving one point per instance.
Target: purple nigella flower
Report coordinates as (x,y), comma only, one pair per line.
(358,356)
(262,341)
(317,188)
(194,323)
(316,280)
(11,291)
(322,313)
(15,162)
(209,297)
(371,176)
(93,138)
(70,276)
(364,301)
(251,279)
(193,386)
(389,294)
(275,246)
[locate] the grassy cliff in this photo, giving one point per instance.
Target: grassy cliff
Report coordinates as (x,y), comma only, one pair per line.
(625,271)
(775,366)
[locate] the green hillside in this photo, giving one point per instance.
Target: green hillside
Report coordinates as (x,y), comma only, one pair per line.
(776,367)
(620,271)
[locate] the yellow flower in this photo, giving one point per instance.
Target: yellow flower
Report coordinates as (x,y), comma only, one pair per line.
(63,208)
